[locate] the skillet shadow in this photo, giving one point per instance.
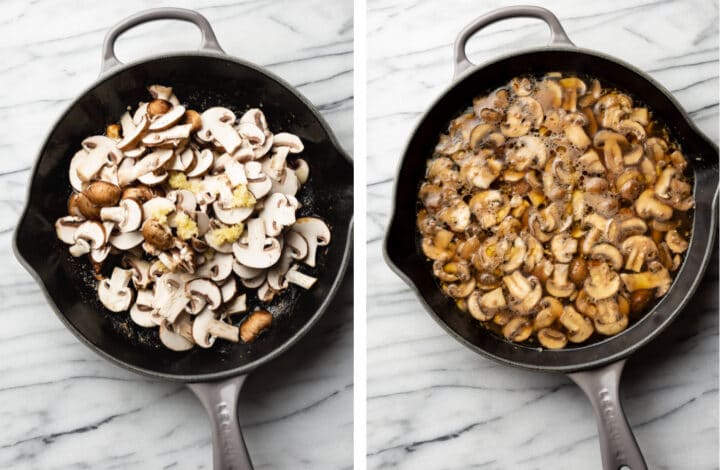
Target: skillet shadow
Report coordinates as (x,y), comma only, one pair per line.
(269,383)
(698,321)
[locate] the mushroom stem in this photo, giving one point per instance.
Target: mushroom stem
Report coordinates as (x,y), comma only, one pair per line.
(224,330)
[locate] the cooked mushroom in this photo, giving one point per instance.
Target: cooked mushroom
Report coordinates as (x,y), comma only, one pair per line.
(550,186)
(484,306)
(578,327)
(603,282)
(254,325)
(657,277)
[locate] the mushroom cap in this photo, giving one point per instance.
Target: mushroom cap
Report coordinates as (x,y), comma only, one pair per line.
(255,249)
(114,293)
(649,207)
(201,329)
(291,141)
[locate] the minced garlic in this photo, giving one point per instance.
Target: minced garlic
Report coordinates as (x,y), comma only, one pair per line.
(160,214)
(186,227)
(227,234)
(242,197)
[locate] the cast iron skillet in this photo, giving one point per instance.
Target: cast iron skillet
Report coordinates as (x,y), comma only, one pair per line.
(597,367)
(204,78)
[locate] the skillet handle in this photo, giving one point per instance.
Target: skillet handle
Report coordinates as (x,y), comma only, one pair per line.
(618,446)
(558,37)
(220,400)
(208,40)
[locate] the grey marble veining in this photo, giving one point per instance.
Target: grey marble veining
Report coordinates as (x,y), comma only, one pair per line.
(61,406)
(431,402)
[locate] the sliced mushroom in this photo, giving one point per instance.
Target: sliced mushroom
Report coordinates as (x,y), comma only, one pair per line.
(607,252)
(563,247)
(637,250)
(578,327)
(206,328)
(256,250)
(657,277)
(675,242)
(603,282)
(127,216)
(559,285)
(484,306)
(315,232)
(114,293)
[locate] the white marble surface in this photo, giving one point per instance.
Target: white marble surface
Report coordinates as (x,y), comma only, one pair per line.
(434,404)
(61,406)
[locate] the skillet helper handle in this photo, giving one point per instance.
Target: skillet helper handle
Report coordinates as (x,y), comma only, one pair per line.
(558,37)
(618,446)
(220,400)
(208,42)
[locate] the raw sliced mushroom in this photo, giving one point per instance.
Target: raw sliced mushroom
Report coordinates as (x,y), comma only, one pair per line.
(114,293)
(315,232)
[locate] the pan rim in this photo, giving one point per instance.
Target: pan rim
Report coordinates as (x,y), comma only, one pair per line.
(186,378)
(562,368)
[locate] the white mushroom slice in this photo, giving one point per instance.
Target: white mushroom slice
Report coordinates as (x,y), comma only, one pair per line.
(149,163)
(65,228)
(173,341)
(238,305)
(140,272)
(255,250)
(205,289)
(136,152)
(153,178)
(302,170)
(291,141)
(127,240)
(142,312)
(294,276)
(127,216)
(81,247)
(258,182)
(275,166)
(157,207)
(156,138)
(93,233)
(170,296)
(114,293)
(99,255)
(228,290)
(246,272)
(140,112)
(183,160)
(233,215)
(126,123)
(315,232)
(217,126)
(277,213)
(160,92)
(609,253)
(295,245)
(217,269)
(206,328)
(168,119)
(101,151)
(204,161)
(266,293)
(251,132)
(236,173)
(133,136)
(75,180)
(256,117)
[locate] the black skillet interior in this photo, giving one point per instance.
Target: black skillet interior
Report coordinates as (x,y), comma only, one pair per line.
(408,260)
(200,82)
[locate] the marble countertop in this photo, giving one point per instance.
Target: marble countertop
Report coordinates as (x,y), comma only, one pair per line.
(431,402)
(62,406)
